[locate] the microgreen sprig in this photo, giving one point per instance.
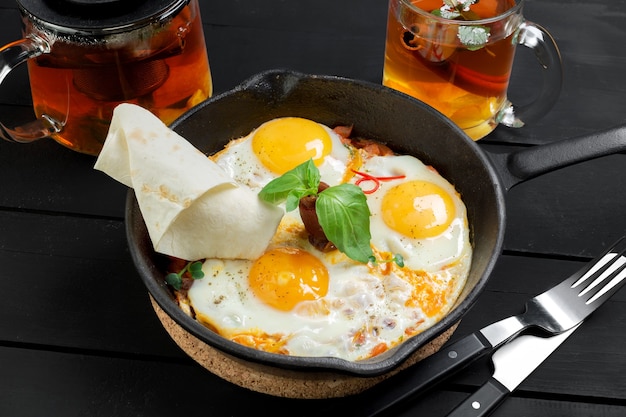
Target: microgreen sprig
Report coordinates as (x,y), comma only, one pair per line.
(397,259)
(175,279)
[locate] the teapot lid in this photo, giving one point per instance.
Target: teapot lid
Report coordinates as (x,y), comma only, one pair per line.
(99,17)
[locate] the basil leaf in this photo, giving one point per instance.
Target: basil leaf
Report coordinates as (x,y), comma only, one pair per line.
(293,199)
(344,216)
(311,174)
(294,184)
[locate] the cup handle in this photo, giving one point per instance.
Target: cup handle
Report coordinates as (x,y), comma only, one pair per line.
(547,53)
(12,55)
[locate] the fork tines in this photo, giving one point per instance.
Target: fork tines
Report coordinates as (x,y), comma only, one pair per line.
(607,268)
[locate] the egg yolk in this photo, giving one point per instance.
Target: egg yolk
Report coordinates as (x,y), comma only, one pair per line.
(282,144)
(283,277)
(418,209)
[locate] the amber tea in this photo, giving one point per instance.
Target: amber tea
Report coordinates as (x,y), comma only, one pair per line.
(461,69)
(165,70)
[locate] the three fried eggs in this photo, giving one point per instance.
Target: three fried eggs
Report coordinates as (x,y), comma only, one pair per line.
(297,300)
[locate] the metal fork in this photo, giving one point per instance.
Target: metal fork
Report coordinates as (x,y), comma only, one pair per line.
(554,311)
(568,303)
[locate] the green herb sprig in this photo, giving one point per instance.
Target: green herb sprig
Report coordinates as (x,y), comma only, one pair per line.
(473,37)
(397,259)
(457,9)
(175,279)
(342,210)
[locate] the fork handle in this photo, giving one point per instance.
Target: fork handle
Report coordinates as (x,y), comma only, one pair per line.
(416,379)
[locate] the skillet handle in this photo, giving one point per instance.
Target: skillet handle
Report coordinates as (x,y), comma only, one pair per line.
(416,379)
(531,162)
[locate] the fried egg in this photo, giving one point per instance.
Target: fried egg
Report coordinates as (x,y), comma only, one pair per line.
(280,145)
(416,213)
(297,300)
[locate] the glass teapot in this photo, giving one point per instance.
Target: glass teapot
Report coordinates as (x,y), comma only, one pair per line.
(85,57)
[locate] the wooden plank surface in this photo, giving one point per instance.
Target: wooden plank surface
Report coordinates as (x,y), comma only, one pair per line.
(105,386)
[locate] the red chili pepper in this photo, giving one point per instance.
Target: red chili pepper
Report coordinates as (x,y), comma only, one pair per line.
(367,177)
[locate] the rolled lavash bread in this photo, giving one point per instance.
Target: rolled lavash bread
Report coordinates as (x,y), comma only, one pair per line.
(191,207)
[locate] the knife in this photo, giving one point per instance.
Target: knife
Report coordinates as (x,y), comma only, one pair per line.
(513,363)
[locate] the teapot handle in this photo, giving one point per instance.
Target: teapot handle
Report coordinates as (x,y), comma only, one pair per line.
(11,55)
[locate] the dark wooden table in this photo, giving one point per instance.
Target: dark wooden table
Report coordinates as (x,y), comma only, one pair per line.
(79,338)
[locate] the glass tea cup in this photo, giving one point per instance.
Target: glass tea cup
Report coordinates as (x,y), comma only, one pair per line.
(457,56)
(85,57)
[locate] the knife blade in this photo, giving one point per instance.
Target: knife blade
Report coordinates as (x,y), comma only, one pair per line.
(513,363)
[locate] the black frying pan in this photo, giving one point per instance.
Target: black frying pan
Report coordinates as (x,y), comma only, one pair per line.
(408,126)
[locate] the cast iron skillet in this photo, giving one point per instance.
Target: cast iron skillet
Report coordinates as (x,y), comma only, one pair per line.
(408,126)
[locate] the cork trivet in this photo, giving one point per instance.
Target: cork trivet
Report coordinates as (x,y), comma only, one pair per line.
(277,381)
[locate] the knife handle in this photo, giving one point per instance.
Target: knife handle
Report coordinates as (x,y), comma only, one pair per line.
(423,375)
(482,402)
